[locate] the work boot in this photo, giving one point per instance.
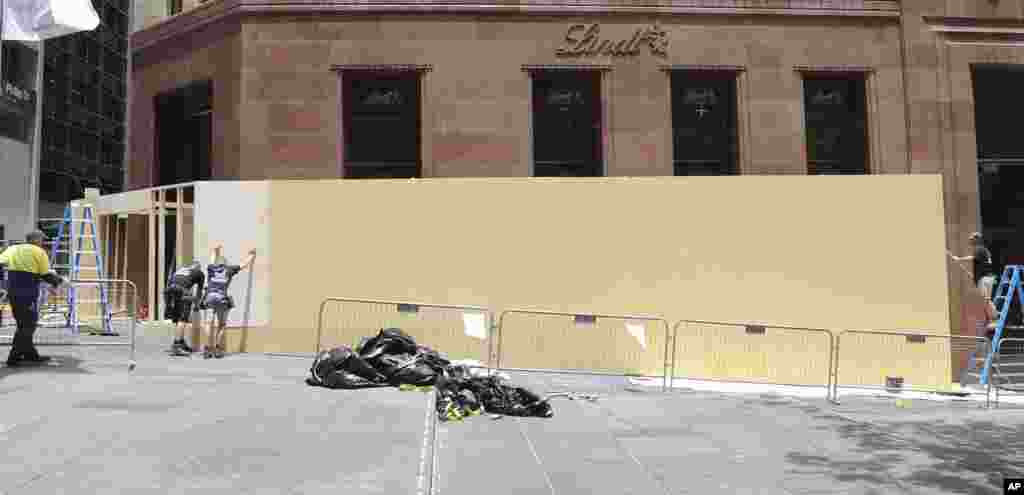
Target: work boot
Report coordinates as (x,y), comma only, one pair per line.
(36,358)
(181,346)
(26,358)
(13,359)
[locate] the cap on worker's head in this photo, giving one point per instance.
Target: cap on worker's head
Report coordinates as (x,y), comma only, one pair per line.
(975,236)
(35,236)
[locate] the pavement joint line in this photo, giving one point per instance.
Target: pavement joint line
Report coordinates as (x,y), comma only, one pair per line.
(533,450)
(628,452)
(436,446)
(425,476)
(709,438)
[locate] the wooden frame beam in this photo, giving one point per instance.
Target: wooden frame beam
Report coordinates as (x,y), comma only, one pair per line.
(161,255)
(151,260)
(175,205)
(179,218)
(123,239)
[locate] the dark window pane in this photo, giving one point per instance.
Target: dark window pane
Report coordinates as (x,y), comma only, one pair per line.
(1000,159)
(996,104)
(704,134)
(836,126)
(567,125)
(184,137)
(382,126)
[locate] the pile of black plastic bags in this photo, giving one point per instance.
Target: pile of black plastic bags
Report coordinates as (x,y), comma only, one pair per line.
(393,359)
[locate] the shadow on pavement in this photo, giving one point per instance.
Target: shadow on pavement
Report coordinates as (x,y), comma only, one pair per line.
(968,455)
(63,364)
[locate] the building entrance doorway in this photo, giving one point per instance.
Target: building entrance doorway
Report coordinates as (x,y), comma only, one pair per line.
(998,103)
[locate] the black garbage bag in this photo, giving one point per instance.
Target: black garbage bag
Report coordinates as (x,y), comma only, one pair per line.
(387,341)
(433,359)
(341,368)
(360,367)
(467,401)
(499,398)
(405,369)
(460,397)
(455,399)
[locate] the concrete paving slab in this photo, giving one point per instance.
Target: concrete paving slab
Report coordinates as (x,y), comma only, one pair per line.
(241,424)
(484,455)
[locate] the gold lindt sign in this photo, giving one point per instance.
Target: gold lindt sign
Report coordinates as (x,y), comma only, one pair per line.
(584,39)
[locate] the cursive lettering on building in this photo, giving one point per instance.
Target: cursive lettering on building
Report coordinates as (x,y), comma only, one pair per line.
(585,40)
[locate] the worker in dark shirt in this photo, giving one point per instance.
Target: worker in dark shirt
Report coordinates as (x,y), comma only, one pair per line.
(26,265)
(184,289)
(219,275)
(984,269)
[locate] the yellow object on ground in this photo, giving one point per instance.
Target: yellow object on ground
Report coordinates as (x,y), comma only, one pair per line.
(414,388)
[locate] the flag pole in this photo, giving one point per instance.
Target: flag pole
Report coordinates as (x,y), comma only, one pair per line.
(3,86)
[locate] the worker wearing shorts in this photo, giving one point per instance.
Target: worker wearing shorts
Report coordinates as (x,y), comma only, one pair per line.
(218,277)
(185,286)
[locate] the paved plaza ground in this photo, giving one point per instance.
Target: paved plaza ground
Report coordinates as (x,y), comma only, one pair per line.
(247,424)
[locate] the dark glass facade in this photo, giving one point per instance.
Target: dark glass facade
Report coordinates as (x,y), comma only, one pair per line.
(17,91)
(84,91)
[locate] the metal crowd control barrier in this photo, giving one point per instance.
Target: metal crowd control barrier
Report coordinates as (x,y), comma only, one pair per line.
(724,363)
(1016,344)
(458,331)
(104,310)
(631,348)
(902,347)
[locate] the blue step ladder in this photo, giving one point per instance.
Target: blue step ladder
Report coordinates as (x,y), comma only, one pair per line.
(1011,284)
(75,248)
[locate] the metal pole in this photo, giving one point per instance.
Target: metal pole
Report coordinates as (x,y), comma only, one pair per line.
(37,140)
(3,8)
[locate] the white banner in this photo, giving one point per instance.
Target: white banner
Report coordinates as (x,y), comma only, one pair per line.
(36,20)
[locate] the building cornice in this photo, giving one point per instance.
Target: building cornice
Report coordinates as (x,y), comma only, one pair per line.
(221,10)
(974,25)
(978,32)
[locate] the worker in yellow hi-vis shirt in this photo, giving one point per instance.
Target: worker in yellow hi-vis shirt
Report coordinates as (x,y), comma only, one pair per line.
(26,264)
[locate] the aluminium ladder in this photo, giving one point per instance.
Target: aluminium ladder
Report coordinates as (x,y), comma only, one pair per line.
(75,248)
(1011,284)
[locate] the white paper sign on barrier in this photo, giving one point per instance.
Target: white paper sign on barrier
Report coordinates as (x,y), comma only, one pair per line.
(637,331)
(475,325)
